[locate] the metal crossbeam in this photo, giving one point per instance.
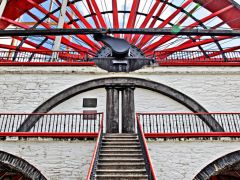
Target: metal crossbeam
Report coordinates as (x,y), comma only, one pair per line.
(149,31)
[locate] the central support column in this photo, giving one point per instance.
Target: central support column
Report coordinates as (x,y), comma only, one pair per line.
(128,109)
(112,115)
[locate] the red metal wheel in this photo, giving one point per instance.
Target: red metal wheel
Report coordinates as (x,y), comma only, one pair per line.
(122,14)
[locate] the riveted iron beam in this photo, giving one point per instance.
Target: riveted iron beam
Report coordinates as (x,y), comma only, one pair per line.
(150,31)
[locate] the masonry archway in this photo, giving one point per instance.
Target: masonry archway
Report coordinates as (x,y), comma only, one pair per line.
(174,94)
(224,168)
(14,167)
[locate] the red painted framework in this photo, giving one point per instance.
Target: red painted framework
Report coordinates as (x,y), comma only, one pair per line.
(95,150)
(224,10)
(146,148)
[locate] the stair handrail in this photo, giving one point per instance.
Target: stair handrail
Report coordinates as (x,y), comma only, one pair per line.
(147,159)
(95,157)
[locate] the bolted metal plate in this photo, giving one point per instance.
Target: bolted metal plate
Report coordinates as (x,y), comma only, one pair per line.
(134,61)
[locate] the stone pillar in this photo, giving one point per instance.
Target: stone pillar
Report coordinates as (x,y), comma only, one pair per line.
(112,110)
(128,109)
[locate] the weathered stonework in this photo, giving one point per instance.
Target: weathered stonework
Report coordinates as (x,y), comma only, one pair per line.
(25,88)
(172,159)
(183,160)
(54,159)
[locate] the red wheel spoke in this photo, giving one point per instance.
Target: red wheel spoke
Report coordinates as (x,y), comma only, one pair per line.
(219,52)
(168,38)
(92,5)
(146,20)
(115,17)
(99,15)
(81,18)
(132,18)
(193,44)
(82,37)
(165,22)
(64,39)
(92,14)
(161,41)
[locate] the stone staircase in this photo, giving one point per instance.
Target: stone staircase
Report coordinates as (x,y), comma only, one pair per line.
(121,158)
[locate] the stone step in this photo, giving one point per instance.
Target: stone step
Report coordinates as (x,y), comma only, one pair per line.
(121,151)
(121,172)
(121,147)
(121,160)
(122,135)
(119,140)
(121,165)
(139,155)
(120,143)
(121,177)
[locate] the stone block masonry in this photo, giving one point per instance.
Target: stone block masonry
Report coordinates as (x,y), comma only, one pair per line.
(55,159)
(172,159)
(215,88)
(183,160)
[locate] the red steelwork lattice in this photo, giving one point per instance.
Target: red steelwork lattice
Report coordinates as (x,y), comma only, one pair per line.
(123,14)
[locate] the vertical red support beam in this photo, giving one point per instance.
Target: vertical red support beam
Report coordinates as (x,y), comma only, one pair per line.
(132,18)
(115,17)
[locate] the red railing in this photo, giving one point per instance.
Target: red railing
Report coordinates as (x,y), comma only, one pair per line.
(197,58)
(83,58)
(167,125)
(95,157)
(45,58)
(59,125)
(147,158)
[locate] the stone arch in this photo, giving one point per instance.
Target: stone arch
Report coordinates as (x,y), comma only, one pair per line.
(174,94)
(225,166)
(11,163)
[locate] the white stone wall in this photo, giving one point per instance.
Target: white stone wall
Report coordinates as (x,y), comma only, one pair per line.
(22,89)
(56,160)
(175,160)
(183,160)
